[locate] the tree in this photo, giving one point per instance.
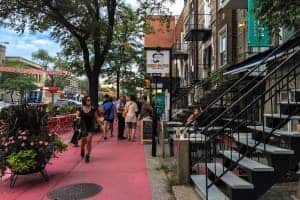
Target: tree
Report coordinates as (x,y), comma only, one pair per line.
(20,83)
(90,23)
(77,19)
(126,49)
(43,58)
(278,13)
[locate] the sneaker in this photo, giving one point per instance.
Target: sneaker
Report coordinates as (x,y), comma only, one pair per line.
(105,138)
(122,138)
(87,158)
(82,154)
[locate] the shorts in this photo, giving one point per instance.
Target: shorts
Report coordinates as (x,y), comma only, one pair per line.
(131,125)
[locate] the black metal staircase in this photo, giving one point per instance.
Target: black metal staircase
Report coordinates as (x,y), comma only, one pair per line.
(250,149)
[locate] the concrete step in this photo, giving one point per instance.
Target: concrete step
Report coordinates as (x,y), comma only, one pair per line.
(268,130)
(232,180)
(268,148)
(213,192)
(246,162)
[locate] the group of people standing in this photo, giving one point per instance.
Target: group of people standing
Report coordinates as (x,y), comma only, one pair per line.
(90,120)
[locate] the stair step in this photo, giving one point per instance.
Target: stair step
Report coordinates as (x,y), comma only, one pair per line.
(276,132)
(291,102)
(232,180)
(282,116)
(246,162)
(213,192)
(269,148)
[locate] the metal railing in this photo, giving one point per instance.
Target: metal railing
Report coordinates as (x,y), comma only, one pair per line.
(198,21)
(247,107)
(180,48)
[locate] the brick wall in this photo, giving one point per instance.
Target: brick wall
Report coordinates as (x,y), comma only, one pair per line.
(163,32)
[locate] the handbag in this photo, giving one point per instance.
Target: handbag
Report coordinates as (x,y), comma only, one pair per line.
(126,109)
(81,128)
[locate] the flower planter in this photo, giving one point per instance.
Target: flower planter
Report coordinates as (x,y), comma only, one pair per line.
(26,144)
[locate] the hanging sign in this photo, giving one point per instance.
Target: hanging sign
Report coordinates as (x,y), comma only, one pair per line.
(158,61)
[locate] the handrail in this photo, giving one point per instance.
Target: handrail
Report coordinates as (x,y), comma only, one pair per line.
(248,92)
(247,107)
(297,35)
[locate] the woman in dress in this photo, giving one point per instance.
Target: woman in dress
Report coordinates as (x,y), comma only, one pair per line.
(88,117)
(130,117)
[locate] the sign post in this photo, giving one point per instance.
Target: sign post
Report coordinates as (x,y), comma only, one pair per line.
(157,62)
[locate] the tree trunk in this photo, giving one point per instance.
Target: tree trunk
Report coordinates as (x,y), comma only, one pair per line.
(11,96)
(94,87)
(118,83)
(52,93)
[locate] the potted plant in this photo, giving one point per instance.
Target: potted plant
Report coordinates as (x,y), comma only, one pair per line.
(26,145)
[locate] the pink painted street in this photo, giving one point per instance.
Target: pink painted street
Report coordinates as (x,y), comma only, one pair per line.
(118,166)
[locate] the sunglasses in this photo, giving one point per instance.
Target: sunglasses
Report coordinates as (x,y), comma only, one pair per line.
(88,100)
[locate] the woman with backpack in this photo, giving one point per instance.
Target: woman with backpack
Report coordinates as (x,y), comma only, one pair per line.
(130,111)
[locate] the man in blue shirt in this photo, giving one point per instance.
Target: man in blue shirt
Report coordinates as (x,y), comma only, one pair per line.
(109,115)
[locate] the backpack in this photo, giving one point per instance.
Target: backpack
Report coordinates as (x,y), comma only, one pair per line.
(107,112)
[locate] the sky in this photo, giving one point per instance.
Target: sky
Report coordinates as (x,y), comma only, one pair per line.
(23,45)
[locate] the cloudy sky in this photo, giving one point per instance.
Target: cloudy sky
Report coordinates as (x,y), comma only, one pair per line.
(23,45)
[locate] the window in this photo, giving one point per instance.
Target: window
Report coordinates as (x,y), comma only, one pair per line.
(223,47)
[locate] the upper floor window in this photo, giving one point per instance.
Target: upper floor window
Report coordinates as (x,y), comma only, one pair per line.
(223,47)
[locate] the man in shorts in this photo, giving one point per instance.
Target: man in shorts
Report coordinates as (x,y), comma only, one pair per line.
(109,115)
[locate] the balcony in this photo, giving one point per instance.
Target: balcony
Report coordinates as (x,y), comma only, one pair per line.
(179,50)
(198,27)
(233,4)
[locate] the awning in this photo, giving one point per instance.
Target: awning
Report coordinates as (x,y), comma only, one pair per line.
(22,70)
(251,62)
(265,56)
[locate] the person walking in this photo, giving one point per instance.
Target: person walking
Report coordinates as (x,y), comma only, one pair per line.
(76,129)
(121,120)
(109,115)
(88,116)
(130,112)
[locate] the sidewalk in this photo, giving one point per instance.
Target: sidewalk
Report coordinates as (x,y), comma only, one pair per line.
(118,166)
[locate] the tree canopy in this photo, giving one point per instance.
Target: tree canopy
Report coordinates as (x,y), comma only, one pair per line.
(42,57)
(89,23)
(278,13)
(19,84)
(126,49)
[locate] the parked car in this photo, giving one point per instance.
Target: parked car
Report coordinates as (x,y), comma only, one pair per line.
(67,102)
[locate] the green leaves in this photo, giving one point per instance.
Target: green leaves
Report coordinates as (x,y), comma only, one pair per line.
(20,83)
(22,161)
(278,13)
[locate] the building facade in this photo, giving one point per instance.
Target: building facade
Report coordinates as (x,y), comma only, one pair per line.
(217,34)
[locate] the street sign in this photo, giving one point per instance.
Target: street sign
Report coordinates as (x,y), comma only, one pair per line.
(158,61)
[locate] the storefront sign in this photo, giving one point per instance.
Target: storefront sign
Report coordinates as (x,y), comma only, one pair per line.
(158,61)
